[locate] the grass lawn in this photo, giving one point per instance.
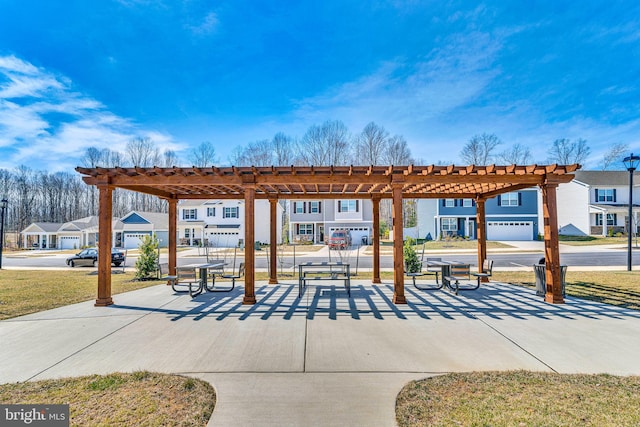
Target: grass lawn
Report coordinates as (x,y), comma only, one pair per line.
(520,398)
(136,399)
(593,240)
(29,291)
(620,288)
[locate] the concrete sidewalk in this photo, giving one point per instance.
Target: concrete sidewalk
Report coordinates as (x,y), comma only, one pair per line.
(324,359)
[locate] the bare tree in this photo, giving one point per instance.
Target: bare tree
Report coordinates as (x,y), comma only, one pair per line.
(371,144)
(143,152)
(612,159)
(516,155)
(258,153)
(236,156)
(92,157)
(169,158)
(397,152)
(203,155)
(479,150)
(565,152)
(282,146)
(325,145)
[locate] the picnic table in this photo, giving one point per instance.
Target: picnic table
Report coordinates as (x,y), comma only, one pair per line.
(313,271)
(186,274)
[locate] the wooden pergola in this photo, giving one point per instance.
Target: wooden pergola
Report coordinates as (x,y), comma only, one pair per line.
(329,182)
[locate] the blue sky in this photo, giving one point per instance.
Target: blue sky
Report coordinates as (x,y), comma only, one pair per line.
(76,73)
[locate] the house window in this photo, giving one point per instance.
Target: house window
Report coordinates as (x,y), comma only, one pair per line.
(449,224)
(211,211)
(298,207)
(449,203)
(306,229)
(509,199)
(345,206)
(189,214)
(611,219)
(230,212)
(187,233)
(314,207)
(607,195)
(467,203)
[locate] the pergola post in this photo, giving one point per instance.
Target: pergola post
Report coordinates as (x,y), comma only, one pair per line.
(173,235)
(398,240)
(249,250)
(104,245)
(551,245)
(482,235)
(273,245)
(376,240)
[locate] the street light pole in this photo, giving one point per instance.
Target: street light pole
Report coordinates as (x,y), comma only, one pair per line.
(631,163)
(3,208)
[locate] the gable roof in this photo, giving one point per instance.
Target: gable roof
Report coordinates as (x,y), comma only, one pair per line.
(134,218)
(603,178)
(159,220)
(45,227)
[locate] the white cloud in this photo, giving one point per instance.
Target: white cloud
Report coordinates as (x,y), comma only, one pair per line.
(45,123)
(411,93)
(206,26)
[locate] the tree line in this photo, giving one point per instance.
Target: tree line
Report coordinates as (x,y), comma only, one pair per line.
(41,196)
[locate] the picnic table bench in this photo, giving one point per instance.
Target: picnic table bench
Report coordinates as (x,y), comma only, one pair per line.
(315,271)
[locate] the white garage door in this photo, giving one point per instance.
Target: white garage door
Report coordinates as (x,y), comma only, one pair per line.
(509,230)
(133,240)
(67,242)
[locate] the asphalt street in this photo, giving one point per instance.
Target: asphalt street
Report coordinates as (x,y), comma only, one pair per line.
(572,257)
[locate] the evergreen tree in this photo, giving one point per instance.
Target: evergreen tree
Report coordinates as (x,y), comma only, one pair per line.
(146,265)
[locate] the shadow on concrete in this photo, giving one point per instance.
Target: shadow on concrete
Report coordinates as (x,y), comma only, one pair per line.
(493,300)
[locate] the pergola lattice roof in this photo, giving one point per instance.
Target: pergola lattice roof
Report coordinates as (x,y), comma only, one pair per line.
(329,181)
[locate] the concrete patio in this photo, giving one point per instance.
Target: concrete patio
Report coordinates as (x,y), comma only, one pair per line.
(323,359)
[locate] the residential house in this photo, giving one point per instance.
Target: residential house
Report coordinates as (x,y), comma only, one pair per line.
(220,223)
(315,220)
(127,232)
(596,203)
(41,235)
(509,216)
(68,235)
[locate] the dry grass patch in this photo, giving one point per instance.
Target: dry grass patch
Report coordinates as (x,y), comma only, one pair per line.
(139,398)
(592,240)
(29,291)
(520,398)
(620,288)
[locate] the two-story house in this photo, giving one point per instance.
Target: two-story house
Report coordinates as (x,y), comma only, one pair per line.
(509,216)
(596,203)
(220,223)
(315,220)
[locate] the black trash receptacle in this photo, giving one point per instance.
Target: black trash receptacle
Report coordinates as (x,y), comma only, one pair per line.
(541,278)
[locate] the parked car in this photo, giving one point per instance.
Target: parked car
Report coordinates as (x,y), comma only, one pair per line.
(90,257)
(340,239)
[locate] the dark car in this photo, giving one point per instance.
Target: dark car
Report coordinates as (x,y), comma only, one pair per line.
(340,239)
(90,257)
